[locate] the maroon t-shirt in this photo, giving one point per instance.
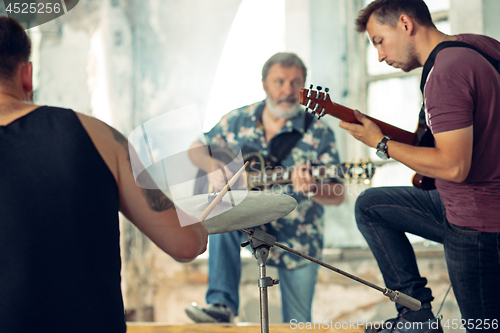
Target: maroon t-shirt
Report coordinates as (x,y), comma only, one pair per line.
(463,89)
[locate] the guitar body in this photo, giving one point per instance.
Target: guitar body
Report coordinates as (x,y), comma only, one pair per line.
(320,103)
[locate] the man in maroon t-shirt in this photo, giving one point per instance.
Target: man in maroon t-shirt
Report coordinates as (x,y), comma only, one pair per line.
(462,108)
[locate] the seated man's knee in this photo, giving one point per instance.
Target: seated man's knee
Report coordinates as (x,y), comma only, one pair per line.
(365,200)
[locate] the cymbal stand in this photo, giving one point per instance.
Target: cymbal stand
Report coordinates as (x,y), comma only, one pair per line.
(261,242)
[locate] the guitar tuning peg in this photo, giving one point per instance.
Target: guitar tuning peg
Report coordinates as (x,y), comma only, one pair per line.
(323,111)
(326,93)
(367,182)
(309,94)
(309,104)
(311,86)
(318,94)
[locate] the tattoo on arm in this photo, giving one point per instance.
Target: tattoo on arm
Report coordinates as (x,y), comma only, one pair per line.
(122,140)
(156,200)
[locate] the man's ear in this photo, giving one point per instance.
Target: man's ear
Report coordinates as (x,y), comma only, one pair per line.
(27,77)
(406,23)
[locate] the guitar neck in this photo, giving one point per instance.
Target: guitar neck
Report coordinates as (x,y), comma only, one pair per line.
(284,176)
(320,103)
(344,171)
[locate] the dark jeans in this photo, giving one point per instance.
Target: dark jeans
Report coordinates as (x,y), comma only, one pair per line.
(384,215)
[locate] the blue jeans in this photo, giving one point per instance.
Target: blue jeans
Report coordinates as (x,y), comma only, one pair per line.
(384,215)
(224,273)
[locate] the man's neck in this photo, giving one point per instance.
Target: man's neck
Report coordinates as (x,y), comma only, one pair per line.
(12,106)
(429,39)
(7,96)
(272,124)
(270,120)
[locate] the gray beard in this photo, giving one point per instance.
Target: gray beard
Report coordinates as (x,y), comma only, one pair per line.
(281,114)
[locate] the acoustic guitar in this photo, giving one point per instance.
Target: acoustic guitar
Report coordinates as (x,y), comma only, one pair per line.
(260,176)
(319,102)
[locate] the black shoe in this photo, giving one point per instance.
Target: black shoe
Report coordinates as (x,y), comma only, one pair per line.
(213,313)
(401,325)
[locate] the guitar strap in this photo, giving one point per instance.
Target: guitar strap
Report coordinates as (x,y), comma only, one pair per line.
(282,145)
(424,135)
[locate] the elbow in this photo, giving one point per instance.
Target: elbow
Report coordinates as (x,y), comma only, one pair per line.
(331,195)
(189,253)
(190,250)
(339,199)
(339,192)
(184,260)
(458,174)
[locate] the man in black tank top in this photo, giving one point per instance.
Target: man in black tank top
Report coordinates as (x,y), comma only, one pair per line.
(64,177)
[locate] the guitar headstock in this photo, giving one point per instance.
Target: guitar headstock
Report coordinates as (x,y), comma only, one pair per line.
(362,171)
(315,100)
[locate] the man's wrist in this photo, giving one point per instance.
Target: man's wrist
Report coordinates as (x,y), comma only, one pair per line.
(382,148)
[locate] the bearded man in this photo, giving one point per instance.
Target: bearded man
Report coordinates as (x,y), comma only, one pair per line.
(261,127)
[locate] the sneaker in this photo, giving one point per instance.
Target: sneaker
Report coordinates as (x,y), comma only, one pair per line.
(401,325)
(213,313)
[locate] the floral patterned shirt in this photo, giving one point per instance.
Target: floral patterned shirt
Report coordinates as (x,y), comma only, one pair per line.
(302,229)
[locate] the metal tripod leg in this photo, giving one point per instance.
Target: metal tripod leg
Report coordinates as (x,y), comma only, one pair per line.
(261,243)
(262,253)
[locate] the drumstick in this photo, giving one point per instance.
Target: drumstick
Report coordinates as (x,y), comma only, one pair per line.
(224,190)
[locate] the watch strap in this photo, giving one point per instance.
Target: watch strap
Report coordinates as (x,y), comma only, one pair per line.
(382,145)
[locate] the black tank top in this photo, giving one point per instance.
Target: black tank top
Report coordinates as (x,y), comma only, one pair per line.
(59,233)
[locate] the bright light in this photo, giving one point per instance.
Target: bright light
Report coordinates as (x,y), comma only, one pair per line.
(98,80)
(258,32)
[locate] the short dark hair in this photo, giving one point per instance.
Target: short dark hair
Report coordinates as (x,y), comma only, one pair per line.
(389,11)
(285,59)
(15,47)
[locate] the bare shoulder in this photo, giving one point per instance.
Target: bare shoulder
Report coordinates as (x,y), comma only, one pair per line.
(110,143)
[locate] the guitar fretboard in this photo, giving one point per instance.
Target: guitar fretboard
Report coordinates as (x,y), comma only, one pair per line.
(282,175)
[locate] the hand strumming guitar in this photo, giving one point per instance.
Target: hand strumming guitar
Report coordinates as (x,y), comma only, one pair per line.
(302,179)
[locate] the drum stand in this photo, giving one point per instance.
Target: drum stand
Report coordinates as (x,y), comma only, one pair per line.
(261,243)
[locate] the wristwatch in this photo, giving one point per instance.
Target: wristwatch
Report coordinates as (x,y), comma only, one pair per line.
(382,148)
